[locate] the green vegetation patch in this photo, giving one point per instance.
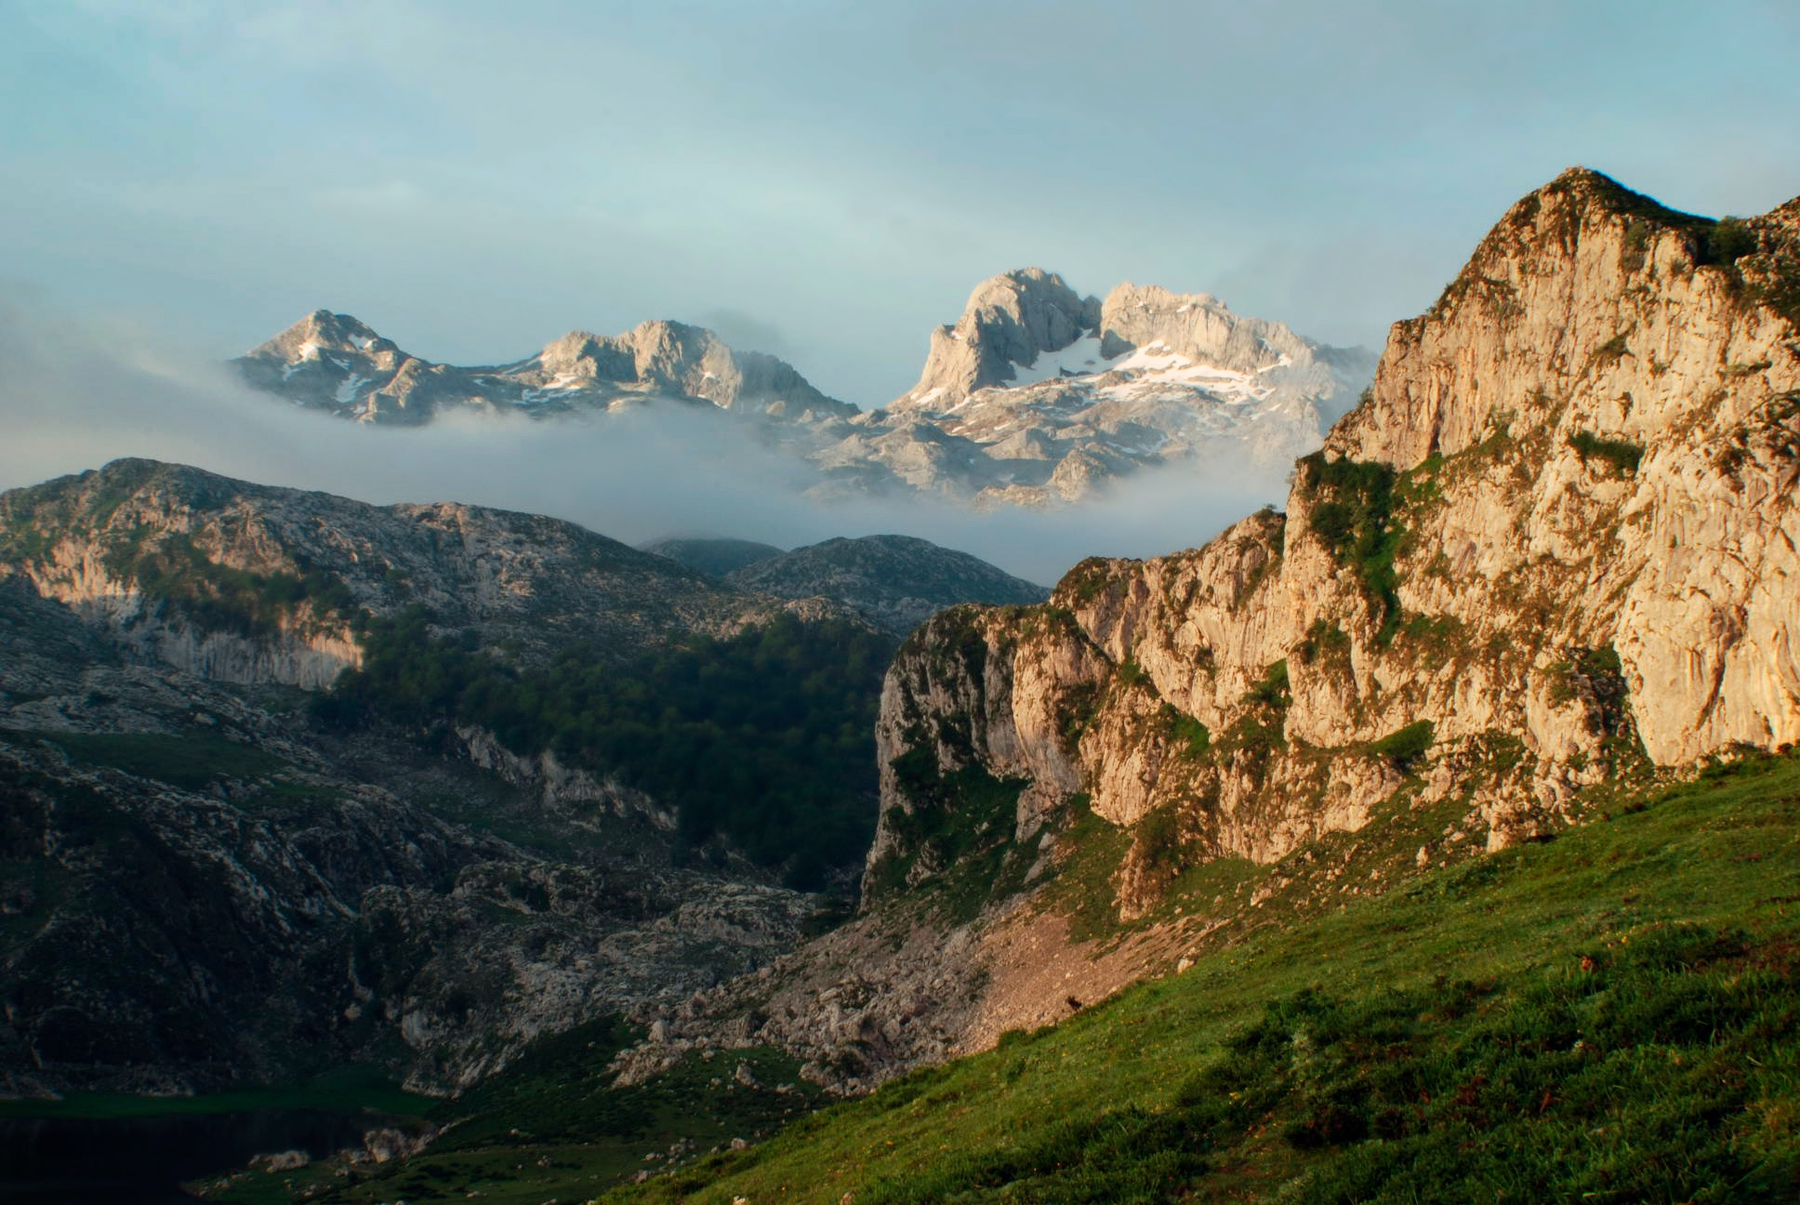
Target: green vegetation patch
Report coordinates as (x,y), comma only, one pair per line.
(1187,735)
(1353,513)
(1612,1015)
(192,761)
(766,738)
(173,569)
(1624,457)
(1405,747)
(960,826)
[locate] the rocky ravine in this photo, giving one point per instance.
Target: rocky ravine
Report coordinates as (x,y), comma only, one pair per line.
(1557,544)
(1034,396)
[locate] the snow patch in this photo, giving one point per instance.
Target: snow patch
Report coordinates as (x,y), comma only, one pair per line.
(1080,358)
(346,392)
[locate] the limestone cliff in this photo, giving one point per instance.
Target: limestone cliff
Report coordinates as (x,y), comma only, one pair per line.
(1556,540)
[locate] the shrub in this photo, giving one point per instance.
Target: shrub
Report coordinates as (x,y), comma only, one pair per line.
(1728,241)
(1622,456)
(1406,746)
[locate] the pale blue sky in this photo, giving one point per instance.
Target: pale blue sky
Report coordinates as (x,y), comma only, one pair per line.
(827,180)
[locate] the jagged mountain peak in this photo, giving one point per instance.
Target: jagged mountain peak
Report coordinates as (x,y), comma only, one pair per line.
(1007,323)
(322,331)
(335,363)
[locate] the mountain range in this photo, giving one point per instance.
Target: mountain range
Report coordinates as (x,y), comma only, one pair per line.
(1034,396)
(1429,834)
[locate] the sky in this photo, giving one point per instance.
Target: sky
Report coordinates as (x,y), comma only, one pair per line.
(825,181)
(828,180)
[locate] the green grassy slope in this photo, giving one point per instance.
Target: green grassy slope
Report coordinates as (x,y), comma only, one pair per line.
(1612,1015)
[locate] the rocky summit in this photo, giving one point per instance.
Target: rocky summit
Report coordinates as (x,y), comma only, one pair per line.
(1035,396)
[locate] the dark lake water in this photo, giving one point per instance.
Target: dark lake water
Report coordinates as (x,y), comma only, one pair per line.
(145,1159)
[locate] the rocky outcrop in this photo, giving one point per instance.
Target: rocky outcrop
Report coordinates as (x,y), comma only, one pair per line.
(1008,323)
(895,582)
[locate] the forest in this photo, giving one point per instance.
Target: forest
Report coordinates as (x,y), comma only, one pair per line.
(763,741)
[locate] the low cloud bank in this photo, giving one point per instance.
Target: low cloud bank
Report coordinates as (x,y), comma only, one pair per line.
(75,395)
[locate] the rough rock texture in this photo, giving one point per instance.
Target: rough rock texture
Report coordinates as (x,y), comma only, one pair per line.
(895,582)
(1008,322)
(1559,537)
(335,363)
(1556,545)
(249,583)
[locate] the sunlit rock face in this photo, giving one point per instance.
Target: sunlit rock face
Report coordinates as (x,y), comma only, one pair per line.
(1555,541)
(1037,396)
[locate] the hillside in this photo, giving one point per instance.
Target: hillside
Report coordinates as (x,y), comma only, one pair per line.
(894,582)
(556,778)
(1609,1012)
